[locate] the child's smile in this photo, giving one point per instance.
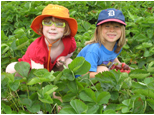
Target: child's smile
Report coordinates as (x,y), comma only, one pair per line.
(111,35)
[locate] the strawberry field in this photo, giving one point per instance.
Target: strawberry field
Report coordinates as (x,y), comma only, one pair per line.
(112,92)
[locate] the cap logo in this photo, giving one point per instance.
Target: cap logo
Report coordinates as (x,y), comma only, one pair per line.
(111,13)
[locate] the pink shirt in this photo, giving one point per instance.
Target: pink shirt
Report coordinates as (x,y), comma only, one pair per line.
(38,51)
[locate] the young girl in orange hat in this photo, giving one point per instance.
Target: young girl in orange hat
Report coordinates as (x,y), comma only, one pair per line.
(56,44)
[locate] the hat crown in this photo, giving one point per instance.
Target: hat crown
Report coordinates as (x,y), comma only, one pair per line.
(56,10)
(111,13)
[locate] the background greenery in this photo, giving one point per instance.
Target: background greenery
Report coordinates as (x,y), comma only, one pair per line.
(16,36)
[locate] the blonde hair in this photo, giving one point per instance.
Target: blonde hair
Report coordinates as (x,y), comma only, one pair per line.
(67,30)
(97,37)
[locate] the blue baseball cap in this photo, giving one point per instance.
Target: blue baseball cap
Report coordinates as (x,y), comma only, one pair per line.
(111,14)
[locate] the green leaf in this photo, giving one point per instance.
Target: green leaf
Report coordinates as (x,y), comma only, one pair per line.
(79,66)
(68,74)
(14,85)
(33,81)
(22,68)
(67,110)
(79,106)
(46,99)
(3,36)
(86,25)
(83,69)
(35,107)
(92,108)
(139,74)
(22,112)
(57,77)
(76,63)
(146,53)
(109,111)
(114,95)
(127,102)
(6,108)
(73,86)
(8,75)
(151,103)
(131,16)
(19,32)
(48,89)
(140,38)
(147,45)
(145,92)
(103,98)
(150,33)
(107,80)
(68,97)
(25,101)
(151,67)
(125,110)
(87,95)
(4,48)
(148,80)
(139,106)
(139,85)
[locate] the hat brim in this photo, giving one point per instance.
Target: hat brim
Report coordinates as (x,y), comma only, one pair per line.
(112,20)
(37,22)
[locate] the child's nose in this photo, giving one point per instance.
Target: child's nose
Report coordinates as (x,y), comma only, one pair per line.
(111,28)
(53,26)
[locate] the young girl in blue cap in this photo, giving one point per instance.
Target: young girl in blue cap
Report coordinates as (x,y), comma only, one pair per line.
(107,43)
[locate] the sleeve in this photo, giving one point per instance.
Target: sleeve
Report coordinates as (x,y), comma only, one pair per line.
(73,45)
(92,58)
(37,54)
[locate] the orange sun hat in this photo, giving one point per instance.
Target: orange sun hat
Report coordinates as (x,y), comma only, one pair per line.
(56,11)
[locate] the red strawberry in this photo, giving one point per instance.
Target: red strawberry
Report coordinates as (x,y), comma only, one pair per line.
(113,66)
(126,67)
(127,71)
(122,70)
(122,65)
(118,67)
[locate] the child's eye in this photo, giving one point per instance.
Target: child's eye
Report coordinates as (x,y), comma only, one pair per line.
(107,26)
(59,23)
(47,22)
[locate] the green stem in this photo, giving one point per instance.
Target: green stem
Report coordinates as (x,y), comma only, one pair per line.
(13,101)
(28,92)
(59,94)
(18,103)
(91,83)
(53,107)
(45,107)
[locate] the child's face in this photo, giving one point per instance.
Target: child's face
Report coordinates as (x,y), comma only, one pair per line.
(52,32)
(111,32)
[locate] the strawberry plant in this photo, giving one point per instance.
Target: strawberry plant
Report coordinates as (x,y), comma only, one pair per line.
(109,92)
(32,92)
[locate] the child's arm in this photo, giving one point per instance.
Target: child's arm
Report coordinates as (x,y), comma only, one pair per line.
(36,65)
(63,59)
(117,60)
(99,69)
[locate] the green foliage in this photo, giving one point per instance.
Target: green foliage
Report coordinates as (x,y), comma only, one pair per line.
(108,93)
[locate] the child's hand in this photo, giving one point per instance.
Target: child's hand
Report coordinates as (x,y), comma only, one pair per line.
(61,61)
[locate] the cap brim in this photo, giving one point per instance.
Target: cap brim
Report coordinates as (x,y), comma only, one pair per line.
(71,21)
(112,20)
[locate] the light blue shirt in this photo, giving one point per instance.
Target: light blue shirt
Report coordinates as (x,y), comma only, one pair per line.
(98,55)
